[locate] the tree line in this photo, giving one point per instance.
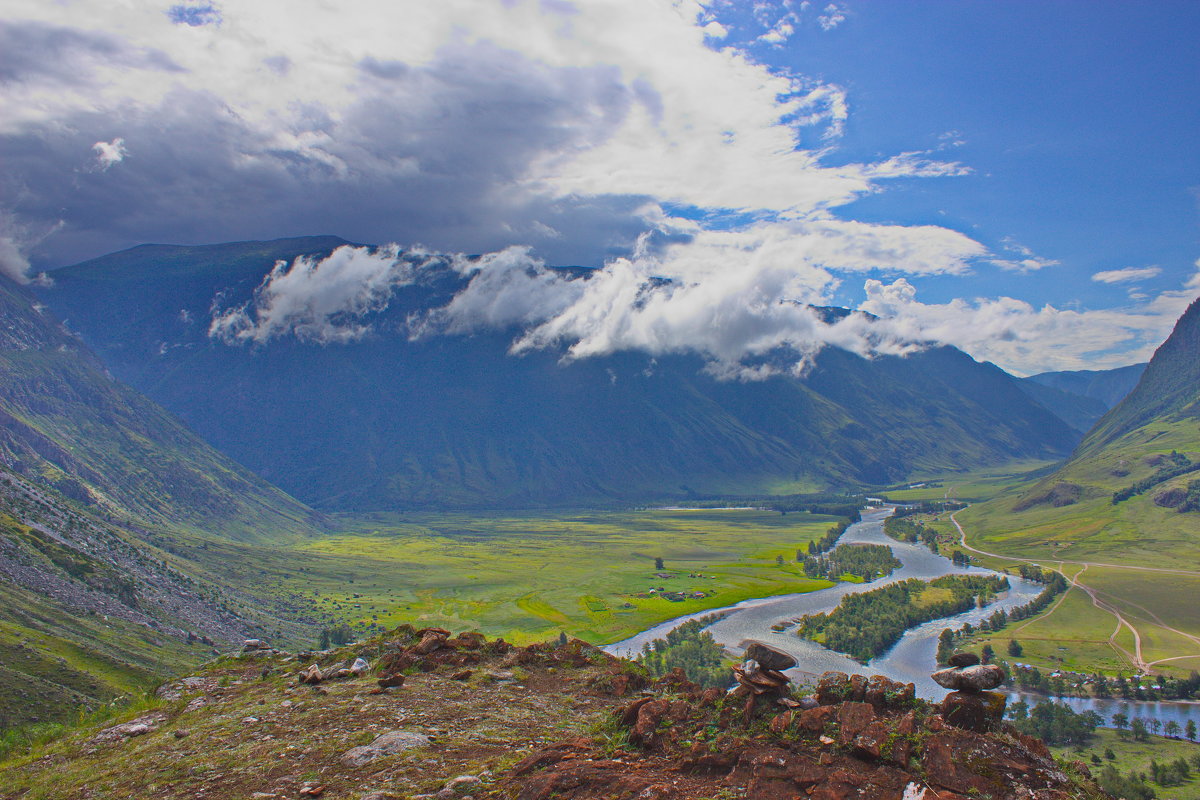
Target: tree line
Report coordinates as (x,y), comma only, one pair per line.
(692,648)
(1055,584)
(866,561)
(865,625)
(1179,465)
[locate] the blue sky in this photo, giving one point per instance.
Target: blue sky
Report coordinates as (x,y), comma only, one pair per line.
(1016,179)
(1079,121)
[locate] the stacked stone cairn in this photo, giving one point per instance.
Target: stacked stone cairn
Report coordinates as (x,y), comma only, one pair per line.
(971,704)
(760,678)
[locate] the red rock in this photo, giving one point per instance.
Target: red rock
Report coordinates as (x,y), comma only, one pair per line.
(431,639)
(814,720)
(462,676)
(645,730)
(852,719)
(781,723)
(858,688)
(629,714)
(711,696)
(974,711)
(871,741)
(832,688)
(391,681)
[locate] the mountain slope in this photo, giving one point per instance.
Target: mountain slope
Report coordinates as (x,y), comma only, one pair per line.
(1079,411)
(1119,507)
(99,488)
(456,421)
(65,422)
(1109,386)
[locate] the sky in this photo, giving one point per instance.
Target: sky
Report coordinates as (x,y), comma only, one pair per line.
(1018,179)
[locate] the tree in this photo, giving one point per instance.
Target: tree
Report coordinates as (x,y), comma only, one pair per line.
(1156,725)
(987,653)
(1189,730)
(779,561)
(1120,721)
(1109,754)
(1014,648)
(658,564)
(1172,729)
(1138,729)
(323,642)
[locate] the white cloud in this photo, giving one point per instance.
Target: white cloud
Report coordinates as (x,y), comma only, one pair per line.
(1126,275)
(109,153)
(833,16)
(1025,339)
(494,114)
(321,301)
(1022,259)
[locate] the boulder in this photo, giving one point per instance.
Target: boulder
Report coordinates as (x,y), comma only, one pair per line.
(312,674)
(769,658)
(833,687)
(386,744)
(254,644)
(963,660)
(359,666)
(977,678)
(974,711)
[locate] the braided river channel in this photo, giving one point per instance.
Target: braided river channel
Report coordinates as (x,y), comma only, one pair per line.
(910,660)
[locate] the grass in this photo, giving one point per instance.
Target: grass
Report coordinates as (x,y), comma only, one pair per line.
(1136,756)
(527,576)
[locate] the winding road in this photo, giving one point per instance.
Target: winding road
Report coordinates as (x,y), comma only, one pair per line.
(1135,658)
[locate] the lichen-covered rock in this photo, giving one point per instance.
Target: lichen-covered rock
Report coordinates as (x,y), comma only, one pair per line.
(833,687)
(386,744)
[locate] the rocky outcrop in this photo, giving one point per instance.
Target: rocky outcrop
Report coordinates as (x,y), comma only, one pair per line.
(971,705)
(868,738)
(386,744)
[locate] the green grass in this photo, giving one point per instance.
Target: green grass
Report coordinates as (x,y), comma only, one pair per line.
(527,576)
(973,485)
(1136,756)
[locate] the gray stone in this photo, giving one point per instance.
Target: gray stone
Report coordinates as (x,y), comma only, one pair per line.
(977,678)
(386,744)
(768,657)
(359,666)
(463,784)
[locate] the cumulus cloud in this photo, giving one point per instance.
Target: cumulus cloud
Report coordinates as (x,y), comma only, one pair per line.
(453,123)
(1026,339)
(1127,275)
(109,153)
(321,301)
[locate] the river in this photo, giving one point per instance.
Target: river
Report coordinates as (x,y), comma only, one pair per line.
(912,659)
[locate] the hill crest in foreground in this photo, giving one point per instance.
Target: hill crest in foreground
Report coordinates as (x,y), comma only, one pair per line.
(482,718)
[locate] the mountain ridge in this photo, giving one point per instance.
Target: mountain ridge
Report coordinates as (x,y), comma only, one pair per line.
(456,421)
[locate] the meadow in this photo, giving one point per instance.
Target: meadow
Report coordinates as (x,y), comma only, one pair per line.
(530,576)
(1136,756)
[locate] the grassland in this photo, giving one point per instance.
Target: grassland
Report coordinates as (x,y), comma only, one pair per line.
(528,576)
(1136,757)
(1135,565)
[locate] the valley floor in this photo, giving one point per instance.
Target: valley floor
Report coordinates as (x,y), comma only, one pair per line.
(529,576)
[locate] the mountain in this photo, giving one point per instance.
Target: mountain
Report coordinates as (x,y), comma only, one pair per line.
(100,492)
(1123,494)
(1078,411)
(1108,386)
(1167,392)
(388,422)
(65,422)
